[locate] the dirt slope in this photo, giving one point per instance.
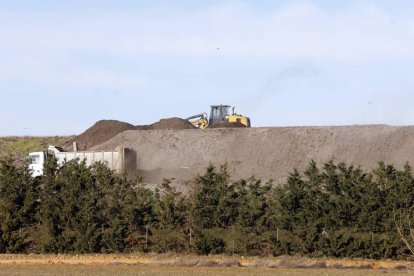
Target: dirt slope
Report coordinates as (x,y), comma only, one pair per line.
(264,152)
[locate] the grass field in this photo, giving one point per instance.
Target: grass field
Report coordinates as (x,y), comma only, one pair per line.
(136,264)
(21,146)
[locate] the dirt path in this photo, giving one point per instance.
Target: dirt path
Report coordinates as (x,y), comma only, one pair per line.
(203,261)
(124,270)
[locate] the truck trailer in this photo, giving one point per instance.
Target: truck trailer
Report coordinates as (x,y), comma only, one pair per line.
(122,160)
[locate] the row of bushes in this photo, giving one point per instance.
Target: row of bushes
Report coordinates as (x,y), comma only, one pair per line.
(337,211)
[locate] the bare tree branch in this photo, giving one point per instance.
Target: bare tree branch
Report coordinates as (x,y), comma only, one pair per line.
(409,246)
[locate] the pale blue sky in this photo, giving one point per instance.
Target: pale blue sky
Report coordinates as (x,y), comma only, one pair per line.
(66,64)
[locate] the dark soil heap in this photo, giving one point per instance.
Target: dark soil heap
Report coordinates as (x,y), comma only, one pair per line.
(104,130)
(170,123)
(99,133)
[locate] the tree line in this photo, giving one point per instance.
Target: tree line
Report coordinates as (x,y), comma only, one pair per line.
(336,210)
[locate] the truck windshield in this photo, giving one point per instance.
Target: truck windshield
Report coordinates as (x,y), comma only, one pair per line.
(34,159)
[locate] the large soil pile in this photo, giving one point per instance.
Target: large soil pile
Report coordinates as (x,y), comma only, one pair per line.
(170,123)
(104,130)
(267,153)
(100,132)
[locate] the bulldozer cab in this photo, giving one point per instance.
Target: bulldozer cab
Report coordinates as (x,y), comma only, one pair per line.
(218,114)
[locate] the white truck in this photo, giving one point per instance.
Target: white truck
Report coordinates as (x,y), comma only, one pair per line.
(122,160)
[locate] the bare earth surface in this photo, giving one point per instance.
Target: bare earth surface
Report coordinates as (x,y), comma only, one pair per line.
(64,269)
(169,123)
(266,153)
(192,265)
(100,132)
(104,130)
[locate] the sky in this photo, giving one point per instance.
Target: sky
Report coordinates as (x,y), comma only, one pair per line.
(66,64)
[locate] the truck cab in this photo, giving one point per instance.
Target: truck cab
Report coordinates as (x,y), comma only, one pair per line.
(36,161)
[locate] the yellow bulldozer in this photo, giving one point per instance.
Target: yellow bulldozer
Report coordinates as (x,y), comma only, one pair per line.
(220,116)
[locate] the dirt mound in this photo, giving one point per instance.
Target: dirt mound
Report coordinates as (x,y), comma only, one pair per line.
(266,153)
(104,130)
(169,123)
(99,133)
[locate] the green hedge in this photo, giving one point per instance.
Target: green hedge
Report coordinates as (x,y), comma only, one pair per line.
(336,211)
